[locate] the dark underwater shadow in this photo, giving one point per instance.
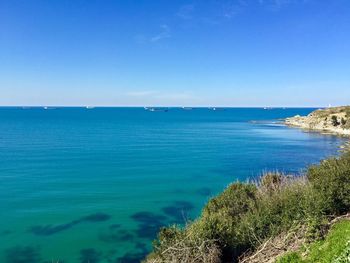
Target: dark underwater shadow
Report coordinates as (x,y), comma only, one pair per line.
(205,191)
(134,257)
(22,254)
(90,255)
(115,236)
(148,224)
(47,230)
(179,211)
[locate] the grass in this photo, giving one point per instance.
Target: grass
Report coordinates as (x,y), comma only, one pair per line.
(335,248)
(245,215)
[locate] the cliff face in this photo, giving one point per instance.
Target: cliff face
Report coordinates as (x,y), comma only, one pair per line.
(333,120)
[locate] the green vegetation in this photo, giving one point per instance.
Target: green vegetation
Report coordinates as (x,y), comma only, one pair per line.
(338,116)
(335,121)
(245,215)
(335,248)
(292,257)
(333,110)
(343,121)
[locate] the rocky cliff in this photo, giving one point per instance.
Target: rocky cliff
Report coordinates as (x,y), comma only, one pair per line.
(331,120)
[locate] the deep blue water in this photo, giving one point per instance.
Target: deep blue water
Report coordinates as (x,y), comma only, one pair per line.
(95,185)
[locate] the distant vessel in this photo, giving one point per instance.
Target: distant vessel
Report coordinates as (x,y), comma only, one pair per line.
(156,109)
(89,107)
(48,108)
(187,108)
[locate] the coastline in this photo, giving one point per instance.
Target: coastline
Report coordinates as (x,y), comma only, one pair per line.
(334,121)
(246,221)
(270,220)
(192,194)
(298,122)
(342,133)
(321,121)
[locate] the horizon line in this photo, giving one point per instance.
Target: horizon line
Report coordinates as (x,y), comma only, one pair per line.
(159,106)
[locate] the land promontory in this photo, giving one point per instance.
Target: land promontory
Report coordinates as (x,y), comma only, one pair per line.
(335,120)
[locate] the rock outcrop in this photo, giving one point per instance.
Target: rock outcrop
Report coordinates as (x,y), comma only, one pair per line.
(335,120)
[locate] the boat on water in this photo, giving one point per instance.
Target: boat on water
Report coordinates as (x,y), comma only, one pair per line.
(156,109)
(187,108)
(48,108)
(89,107)
(216,109)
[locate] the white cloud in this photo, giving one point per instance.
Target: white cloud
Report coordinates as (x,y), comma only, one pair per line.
(185,12)
(165,33)
(278,4)
(232,9)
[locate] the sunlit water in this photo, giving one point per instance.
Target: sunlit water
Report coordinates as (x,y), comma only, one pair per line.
(95,185)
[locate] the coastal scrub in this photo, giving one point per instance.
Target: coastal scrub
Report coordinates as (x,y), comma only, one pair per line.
(245,216)
(335,248)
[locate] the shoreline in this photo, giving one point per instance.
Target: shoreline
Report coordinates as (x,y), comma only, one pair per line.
(333,121)
(213,237)
(345,135)
(326,131)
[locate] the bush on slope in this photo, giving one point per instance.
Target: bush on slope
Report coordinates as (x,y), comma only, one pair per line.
(245,214)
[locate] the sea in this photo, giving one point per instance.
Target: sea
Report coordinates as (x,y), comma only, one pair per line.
(87,185)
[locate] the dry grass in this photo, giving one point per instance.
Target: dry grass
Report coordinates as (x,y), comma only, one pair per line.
(189,249)
(274,214)
(290,241)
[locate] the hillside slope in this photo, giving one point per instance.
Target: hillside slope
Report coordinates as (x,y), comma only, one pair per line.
(332,120)
(238,224)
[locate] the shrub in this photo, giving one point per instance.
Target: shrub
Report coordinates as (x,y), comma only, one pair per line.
(177,245)
(335,121)
(343,121)
(238,198)
(347,112)
(245,214)
(223,215)
(283,209)
(332,179)
(271,181)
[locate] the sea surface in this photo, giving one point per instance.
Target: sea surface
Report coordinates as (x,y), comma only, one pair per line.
(95,185)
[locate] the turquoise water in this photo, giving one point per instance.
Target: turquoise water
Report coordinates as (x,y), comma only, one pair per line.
(95,185)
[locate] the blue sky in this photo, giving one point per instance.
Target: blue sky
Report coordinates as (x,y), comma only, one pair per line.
(135,53)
